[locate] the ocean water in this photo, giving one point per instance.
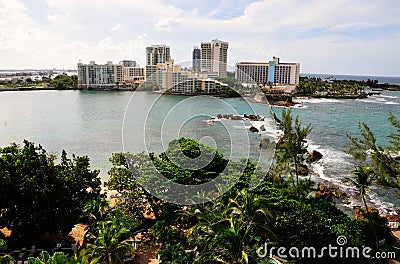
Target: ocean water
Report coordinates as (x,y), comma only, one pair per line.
(98,123)
(381,79)
(332,120)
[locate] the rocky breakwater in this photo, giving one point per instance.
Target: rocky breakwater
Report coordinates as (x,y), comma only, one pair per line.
(257,126)
(239,117)
(278,99)
(329,193)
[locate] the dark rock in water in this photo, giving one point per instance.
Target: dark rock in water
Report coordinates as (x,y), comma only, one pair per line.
(314,156)
(254,129)
(284,103)
(252,117)
(235,117)
(262,128)
(219,116)
(324,192)
(302,170)
(329,193)
(265,143)
(361,213)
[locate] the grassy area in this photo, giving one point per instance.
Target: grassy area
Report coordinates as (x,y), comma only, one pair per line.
(34,86)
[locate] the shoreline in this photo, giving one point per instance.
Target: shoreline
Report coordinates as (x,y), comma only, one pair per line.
(17,89)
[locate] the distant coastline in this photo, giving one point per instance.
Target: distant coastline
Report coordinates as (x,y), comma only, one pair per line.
(381,79)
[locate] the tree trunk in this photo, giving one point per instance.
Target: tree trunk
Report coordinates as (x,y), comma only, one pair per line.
(370,221)
(296,169)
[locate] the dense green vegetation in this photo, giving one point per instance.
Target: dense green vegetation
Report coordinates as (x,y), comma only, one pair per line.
(381,163)
(38,195)
(315,86)
(345,88)
(60,82)
(292,147)
(236,87)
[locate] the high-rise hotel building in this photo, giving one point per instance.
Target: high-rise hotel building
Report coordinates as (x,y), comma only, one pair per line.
(196,60)
(214,57)
(154,55)
(273,71)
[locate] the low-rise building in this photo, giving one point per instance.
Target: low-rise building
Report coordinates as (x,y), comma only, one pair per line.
(94,75)
(133,75)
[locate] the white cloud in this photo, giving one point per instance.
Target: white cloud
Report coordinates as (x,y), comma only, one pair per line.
(325,36)
(166,24)
(118,28)
(350,26)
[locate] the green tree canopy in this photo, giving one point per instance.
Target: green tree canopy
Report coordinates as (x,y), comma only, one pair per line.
(38,195)
(292,145)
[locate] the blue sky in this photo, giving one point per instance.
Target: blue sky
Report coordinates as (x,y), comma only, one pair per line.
(325,36)
(226,9)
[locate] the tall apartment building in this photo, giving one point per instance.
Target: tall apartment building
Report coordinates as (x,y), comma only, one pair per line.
(196,59)
(154,55)
(214,57)
(164,72)
(273,71)
(109,75)
(94,75)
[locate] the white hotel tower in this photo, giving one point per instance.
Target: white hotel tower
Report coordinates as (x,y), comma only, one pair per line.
(273,71)
(214,56)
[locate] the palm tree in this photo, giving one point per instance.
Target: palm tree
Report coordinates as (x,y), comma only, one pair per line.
(56,258)
(96,210)
(230,233)
(4,258)
(108,245)
(46,258)
(362,181)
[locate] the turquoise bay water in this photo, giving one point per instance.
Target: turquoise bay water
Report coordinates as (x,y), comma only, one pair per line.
(332,119)
(91,123)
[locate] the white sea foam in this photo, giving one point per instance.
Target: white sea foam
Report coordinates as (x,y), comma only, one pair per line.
(300,106)
(384,207)
(334,158)
(392,103)
(271,128)
(280,106)
(373,100)
(378,100)
(317,100)
(388,96)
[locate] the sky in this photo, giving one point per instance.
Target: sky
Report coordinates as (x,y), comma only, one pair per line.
(360,37)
